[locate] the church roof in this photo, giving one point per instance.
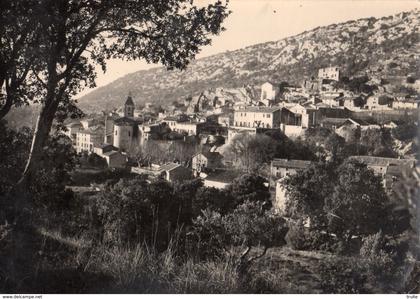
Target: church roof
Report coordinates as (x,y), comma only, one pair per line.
(125,121)
(129,101)
(286,163)
(381,161)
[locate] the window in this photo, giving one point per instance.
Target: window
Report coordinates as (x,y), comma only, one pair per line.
(115,132)
(129,134)
(268,115)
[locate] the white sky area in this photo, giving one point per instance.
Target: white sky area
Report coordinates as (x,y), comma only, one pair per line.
(257,21)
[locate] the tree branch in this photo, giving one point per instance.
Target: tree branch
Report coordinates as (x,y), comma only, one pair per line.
(258,256)
(245,253)
(87,39)
(130,30)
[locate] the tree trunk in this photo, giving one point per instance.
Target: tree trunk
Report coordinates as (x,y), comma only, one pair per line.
(41,133)
(6,107)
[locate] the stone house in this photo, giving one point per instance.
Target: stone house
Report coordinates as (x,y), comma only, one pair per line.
(390,169)
(72,129)
(379,102)
(330,73)
(280,169)
(170,172)
(270,92)
(220,179)
(87,139)
(115,159)
(258,117)
(206,161)
(406,104)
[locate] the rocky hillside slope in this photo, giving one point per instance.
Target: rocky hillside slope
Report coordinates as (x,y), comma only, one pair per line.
(386,47)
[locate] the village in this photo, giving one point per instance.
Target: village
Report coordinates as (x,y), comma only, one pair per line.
(209,147)
(201,129)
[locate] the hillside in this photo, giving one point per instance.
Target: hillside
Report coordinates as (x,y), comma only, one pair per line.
(385,47)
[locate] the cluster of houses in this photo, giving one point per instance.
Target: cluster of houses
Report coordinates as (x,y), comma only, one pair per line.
(213,116)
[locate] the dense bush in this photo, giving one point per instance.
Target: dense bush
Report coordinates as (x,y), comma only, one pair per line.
(92,160)
(342,276)
(301,238)
(406,131)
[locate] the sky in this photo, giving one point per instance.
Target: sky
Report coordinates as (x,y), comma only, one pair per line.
(258,21)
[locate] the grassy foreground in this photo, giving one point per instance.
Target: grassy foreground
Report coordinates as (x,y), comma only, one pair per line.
(70,265)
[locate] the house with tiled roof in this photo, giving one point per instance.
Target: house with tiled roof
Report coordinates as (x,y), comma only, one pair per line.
(257,117)
(170,172)
(87,139)
(205,161)
(390,169)
(221,179)
(281,168)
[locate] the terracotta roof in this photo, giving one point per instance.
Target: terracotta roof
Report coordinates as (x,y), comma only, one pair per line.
(106,145)
(381,161)
(169,166)
(111,153)
(362,122)
(96,130)
(211,155)
(286,163)
(259,109)
(223,176)
(124,121)
(74,124)
(333,120)
(129,101)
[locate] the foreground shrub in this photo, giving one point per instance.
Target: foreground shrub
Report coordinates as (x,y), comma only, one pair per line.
(342,276)
(143,270)
(383,265)
(301,238)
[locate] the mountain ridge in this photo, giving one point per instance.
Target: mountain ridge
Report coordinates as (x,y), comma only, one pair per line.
(383,47)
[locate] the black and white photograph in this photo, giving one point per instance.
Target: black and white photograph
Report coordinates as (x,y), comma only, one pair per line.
(209,147)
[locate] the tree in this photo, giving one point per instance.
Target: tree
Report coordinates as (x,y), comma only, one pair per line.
(217,200)
(77,35)
(377,142)
(19,36)
(347,201)
(181,151)
(250,152)
(14,148)
(357,206)
(326,142)
(406,131)
(92,160)
(53,172)
(306,192)
(249,226)
(250,187)
(133,211)
(186,193)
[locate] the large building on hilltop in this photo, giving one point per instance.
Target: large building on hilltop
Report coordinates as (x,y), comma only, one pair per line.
(329,73)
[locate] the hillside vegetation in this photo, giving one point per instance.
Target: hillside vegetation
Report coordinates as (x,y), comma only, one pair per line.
(382,48)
